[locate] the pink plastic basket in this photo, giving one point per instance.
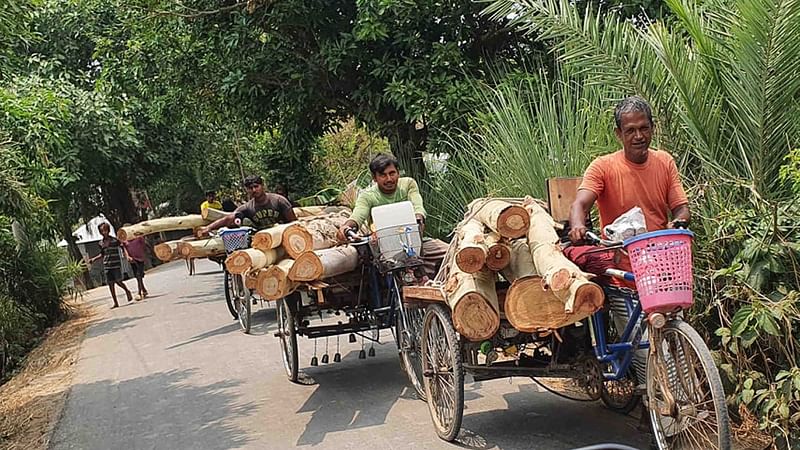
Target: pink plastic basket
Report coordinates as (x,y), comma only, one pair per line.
(662,265)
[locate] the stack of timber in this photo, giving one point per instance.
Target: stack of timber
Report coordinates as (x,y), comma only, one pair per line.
(302,253)
(514,239)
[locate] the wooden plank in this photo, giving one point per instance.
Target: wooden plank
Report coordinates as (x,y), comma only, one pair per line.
(423,293)
(561,192)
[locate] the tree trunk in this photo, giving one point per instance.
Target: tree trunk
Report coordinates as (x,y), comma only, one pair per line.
(509,221)
(555,269)
(273,283)
(471,253)
(241,261)
(212,215)
(315,234)
(201,248)
(530,307)
(499,253)
(408,144)
(189,222)
(320,264)
(167,251)
(473,300)
(521,263)
(269,238)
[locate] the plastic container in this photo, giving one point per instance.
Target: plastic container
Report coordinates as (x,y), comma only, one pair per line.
(235,239)
(397,232)
(662,264)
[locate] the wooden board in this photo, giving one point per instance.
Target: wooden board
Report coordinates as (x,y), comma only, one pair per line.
(423,293)
(561,192)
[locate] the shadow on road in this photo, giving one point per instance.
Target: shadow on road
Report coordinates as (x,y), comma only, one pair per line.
(231,327)
(533,416)
(162,410)
(109,326)
(265,321)
(339,404)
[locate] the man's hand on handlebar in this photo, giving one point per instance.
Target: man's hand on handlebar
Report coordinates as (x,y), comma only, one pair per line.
(577,233)
(349,232)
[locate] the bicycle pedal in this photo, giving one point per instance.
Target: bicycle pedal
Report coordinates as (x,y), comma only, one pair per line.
(371,351)
(337,357)
(325,358)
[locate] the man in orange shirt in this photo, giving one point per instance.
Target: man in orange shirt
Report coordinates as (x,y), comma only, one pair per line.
(634,176)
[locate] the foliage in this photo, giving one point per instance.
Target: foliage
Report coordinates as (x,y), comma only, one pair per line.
(346,153)
(721,77)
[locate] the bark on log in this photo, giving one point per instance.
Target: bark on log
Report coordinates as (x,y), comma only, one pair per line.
(471,253)
(305,236)
(473,300)
(189,222)
(166,251)
(521,263)
(269,238)
(530,307)
(201,248)
(305,211)
(273,283)
(321,264)
(498,254)
(243,260)
(510,221)
(555,269)
(211,214)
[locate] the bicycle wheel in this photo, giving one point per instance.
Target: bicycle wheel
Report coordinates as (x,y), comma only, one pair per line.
(242,302)
(286,332)
(684,391)
(230,296)
(409,332)
(443,372)
(620,395)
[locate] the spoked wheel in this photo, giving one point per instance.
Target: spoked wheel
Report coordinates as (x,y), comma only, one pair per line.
(408,335)
(620,395)
(242,302)
(685,397)
(443,372)
(286,332)
(230,296)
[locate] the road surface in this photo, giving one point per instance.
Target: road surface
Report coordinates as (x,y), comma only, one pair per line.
(175,372)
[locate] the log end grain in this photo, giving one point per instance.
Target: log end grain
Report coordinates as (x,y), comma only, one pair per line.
(475,319)
(238,262)
(262,241)
(499,257)
(470,259)
(164,251)
(513,222)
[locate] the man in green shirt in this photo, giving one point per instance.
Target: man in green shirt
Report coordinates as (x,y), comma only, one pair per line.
(391,188)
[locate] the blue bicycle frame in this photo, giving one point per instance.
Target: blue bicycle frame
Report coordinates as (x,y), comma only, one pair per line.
(618,355)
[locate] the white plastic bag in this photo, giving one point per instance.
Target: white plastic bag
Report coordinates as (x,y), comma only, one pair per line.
(627,225)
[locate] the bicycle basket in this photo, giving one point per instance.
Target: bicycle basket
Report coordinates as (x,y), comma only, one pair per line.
(662,264)
(235,239)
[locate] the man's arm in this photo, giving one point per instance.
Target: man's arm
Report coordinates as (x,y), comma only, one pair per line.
(680,214)
(577,214)
(416,198)
(357,217)
(219,223)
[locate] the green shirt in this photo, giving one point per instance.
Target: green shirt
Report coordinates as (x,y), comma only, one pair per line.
(407,189)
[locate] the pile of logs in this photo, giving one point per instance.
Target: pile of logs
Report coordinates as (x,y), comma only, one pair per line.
(287,256)
(515,240)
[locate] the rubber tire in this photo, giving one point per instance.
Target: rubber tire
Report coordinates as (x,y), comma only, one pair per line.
(244,306)
(624,408)
(712,375)
(229,296)
(288,337)
(438,313)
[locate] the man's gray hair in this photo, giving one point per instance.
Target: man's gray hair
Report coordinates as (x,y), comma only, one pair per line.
(631,104)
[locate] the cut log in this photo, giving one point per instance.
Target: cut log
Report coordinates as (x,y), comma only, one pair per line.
(305,211)
(498,254)
(212,215)
(203,248)
(473,300)
(251,279)
(166,251)
(189,222)
(530,307)
(316,234)
(273,283)
(510,221)
(555,269)
(269,238)
(471,253)
(521,263)
(241,261)
(320,264)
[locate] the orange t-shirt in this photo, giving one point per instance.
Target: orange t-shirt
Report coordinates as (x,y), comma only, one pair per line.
(620,185)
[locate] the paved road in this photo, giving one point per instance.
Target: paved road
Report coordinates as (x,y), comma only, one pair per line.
(175,372)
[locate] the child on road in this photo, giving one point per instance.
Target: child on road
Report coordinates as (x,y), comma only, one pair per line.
(112,262)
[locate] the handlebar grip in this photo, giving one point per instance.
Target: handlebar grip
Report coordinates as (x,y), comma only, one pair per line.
(682,224)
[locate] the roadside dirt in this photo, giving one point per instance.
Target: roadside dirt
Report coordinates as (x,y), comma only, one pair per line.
(31,402)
